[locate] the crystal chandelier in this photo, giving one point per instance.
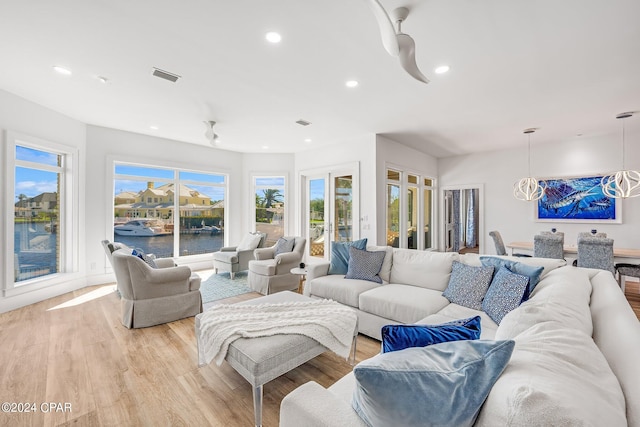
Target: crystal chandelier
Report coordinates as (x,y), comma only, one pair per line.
(529,189)
(624,183)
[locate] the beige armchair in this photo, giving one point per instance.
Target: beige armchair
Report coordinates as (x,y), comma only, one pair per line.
(234,258)
(270,273)
(152,296)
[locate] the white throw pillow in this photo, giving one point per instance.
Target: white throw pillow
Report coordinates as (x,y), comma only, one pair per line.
(429,270)
(249,242)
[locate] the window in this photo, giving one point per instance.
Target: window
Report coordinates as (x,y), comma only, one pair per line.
(154,227)
(409,202)
(270,213)
(42,216)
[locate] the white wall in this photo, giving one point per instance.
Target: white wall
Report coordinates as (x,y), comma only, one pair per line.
(499,170)
(20,115)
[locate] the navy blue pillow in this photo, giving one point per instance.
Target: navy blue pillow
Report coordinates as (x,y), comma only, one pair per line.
(146,258)
(399,337)
(340,255)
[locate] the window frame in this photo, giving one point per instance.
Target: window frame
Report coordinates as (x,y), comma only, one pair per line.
(69,212)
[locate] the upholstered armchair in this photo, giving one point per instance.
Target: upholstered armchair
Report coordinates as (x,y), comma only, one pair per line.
(596,252)
(270,272)
(236,258)
(548,246)
(152,296)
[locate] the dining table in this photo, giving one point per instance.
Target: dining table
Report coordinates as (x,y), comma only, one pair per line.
(573,250)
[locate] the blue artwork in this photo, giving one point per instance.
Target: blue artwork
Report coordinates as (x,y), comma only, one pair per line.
(576,199)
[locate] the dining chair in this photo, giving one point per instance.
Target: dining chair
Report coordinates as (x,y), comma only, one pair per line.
(548,246)
(588,234)
(623,269)
(596,252)
(500,248)
(551,233)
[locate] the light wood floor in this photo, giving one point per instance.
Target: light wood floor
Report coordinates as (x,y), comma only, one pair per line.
(55,351)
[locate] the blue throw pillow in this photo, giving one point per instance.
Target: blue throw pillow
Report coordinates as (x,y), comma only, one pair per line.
(284,245)
(399,337)
(532,272)
(468,284)
(146,258)
(365,265)
(441,385)
(340,255)
(505,294)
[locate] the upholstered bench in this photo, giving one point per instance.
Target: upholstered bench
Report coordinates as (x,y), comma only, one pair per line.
(262,359)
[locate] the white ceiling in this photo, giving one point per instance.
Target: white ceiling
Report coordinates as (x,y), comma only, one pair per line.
(567,67)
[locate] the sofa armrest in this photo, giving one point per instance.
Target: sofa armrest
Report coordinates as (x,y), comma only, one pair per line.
(194,282)
(164,275)
(317,270)
(264,253)
(312,405)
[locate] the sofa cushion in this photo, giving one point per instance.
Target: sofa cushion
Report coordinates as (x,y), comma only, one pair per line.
(340,255)
(385,271)
(399,337)
(532,272)
(556,376)
(365,265)
(422,268)
(402,303)
(439,385)
(337,288)
(505,294)
(468,285)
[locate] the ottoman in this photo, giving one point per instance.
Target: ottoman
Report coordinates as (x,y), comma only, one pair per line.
(262,359)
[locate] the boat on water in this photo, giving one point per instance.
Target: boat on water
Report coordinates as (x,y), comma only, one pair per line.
(142,228)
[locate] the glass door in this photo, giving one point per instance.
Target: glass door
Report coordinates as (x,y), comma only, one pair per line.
(316,214)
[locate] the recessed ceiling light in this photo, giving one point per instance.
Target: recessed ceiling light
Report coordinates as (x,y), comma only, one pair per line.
(273,37)
(154,127)
(351,83)
(102,79)
(442,69)
(62,70)
(265,147)
(307,140)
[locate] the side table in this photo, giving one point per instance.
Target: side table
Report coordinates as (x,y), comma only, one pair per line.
(302,273)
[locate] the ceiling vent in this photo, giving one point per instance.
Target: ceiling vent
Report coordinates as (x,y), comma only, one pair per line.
(165,75)
(303,122)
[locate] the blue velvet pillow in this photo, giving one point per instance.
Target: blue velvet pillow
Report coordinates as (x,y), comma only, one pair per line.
(505,294)
(146,258)
(365,265)
(399,337)
(468,284)
(441,385)
(340,255)
(532,272)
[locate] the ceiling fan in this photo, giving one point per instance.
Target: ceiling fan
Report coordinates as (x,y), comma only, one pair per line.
(210,134)
(394,40)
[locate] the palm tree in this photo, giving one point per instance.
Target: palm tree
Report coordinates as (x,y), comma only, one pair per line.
(271,195)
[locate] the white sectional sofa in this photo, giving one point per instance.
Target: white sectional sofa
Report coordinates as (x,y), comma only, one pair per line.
(577,342)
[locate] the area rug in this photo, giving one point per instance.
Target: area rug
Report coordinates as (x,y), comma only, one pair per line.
(220,286)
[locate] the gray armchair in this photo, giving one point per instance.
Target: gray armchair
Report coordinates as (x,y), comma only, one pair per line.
(151,296)
(270,273)
(230,259)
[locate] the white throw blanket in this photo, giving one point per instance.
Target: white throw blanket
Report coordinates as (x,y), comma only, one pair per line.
(328,322)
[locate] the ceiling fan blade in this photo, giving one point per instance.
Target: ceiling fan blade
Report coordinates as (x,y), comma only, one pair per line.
(387,31)
(408,57)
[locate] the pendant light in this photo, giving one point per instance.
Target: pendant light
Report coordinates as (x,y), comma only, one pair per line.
(529,189)
(624,183)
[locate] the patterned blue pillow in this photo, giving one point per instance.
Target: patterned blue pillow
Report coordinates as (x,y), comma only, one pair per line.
(283,245)
(505,294)
(365,265)
(468,284)
(399,337)
(340,255)
(441,385)
(146,258)
(533,272)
